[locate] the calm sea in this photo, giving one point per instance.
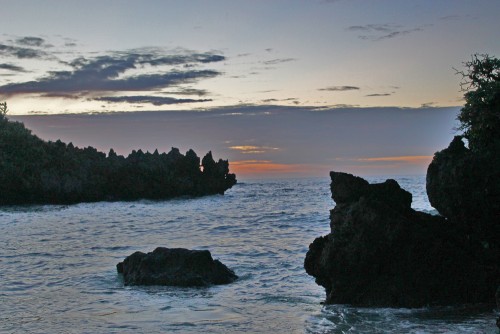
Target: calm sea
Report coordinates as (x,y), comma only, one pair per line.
(57,267)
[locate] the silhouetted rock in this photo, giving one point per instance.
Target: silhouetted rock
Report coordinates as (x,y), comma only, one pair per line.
(464,186)
(33,171)
(497,297)
(175,267)
(381,252)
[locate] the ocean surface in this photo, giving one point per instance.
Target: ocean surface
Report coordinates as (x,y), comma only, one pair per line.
(58,274)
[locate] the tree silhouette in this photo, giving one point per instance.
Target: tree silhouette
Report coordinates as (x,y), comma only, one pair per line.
(480,116)
(3,109)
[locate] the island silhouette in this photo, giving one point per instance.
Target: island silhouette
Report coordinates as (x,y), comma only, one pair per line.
(34,171)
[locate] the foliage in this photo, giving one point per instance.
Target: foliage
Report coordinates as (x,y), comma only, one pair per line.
(480,117)
(35,171)
(3,109)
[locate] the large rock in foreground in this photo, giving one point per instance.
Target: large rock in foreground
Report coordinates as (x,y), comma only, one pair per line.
(464,186)
(381,252)
(175,267)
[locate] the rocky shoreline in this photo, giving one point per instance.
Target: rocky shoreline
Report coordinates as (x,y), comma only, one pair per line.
(33,171)
(381,252)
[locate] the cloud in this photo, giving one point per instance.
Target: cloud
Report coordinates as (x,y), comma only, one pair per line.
(22,53)
(428,105)
(70,43)
(251,149)
(378,32)
(378,94)
(32,41)
(455,17)
(12,67)
(411,159)
(36,112)
(374,27)
(343,106)
(391,35)
(263,167)
(293,99)
(72,96)
(154,60)
(154,100)
(82,82)
(188,91)
(339,88)
(106,74)
(278,61)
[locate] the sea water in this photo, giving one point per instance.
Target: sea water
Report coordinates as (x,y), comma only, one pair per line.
(58,274)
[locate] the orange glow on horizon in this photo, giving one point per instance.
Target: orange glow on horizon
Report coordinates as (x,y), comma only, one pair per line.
(250,149)
(411,164)
(412,159)
(267,167)
(361,166)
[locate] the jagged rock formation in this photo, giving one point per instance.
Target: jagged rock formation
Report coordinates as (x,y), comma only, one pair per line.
(381,252)
(497,297)
(33,171)
(464,186)
(175,267)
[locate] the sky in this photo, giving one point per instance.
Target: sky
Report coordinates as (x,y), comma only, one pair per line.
(280,88)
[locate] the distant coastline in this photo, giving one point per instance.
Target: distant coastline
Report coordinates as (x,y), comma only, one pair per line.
(33,171)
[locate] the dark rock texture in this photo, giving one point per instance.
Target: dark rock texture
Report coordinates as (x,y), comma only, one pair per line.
(497,297)
(175,267)
(464,186)
(380,252)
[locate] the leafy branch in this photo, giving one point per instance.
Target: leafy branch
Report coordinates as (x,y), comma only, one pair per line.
(3,109)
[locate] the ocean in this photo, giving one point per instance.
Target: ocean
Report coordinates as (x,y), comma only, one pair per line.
(58,274)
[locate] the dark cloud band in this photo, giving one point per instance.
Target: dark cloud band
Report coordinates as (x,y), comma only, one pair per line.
(102,74)
(31,41)
(22,52)
(154,100)
(339,88)
(378,94)
(378,32)
(11,67)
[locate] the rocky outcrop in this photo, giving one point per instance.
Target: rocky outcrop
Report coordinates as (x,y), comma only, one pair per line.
(497,297)
(175,267)
(33,171)
(464,186)
(381,252)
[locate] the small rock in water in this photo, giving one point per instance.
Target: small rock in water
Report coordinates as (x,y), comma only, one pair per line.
(174,267)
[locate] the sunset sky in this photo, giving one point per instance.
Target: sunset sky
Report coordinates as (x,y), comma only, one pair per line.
(280,88)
